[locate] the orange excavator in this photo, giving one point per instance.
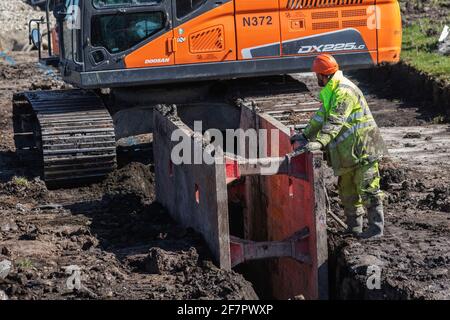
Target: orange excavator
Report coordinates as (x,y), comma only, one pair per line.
(104,47)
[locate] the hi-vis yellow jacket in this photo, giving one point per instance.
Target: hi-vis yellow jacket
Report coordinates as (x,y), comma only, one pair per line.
(345,126)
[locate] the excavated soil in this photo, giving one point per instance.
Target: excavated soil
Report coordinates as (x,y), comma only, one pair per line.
(126,246)
(413,255)
(413,10)
(123,243)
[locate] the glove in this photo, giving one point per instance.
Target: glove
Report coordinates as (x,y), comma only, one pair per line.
(313,146)
(300,139)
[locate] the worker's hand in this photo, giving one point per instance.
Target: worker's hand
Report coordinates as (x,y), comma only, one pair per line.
(313,146)
(299,140)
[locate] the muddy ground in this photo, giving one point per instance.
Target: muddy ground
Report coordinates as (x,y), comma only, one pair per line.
(436,10)
(124,243)
(127,247)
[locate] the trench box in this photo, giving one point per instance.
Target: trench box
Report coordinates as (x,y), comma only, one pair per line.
(280,232)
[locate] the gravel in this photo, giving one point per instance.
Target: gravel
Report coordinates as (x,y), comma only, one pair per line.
(14,17)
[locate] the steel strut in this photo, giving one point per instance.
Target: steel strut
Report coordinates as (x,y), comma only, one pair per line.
(287,165)
(295,247)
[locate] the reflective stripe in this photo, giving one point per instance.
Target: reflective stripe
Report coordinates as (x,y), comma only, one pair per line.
(364,106)
(359,116)
(318,118)
(351,131)
(356,91)
(349,86)
(356,116)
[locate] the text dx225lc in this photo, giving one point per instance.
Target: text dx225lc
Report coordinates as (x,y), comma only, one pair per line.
(123,53)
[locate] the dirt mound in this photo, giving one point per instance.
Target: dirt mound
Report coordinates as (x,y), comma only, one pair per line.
(22,188)
(160,261)
(438,199)
(130,185)
(391,174)
(14,15)
(134,178)
(218,283)
(436,10)
(190,277)
(125,246)
(18,76)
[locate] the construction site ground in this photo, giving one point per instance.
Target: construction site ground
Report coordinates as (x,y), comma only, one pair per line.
(128,248)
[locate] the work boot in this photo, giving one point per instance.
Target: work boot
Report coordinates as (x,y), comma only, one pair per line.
(376,222)
(354,221)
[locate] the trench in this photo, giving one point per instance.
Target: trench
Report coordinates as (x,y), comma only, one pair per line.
(410,85)
(254,199)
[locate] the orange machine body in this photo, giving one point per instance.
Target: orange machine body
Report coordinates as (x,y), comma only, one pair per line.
(222,39)
(256,29)
(55,41)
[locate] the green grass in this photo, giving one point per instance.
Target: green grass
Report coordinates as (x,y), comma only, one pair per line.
(420,43)
(438,120)
(24,264)
(20,181)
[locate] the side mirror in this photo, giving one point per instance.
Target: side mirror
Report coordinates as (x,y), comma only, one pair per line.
(36,38)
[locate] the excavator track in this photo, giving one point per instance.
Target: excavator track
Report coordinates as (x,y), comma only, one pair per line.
(67,135)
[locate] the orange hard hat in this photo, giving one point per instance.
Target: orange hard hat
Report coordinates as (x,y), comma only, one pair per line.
(325,64)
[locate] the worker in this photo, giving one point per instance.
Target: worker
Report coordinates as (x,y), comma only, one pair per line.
(345,129)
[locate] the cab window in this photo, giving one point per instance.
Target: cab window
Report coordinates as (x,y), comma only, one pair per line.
(185,7)
(71,32)
(114,3)
(120,32)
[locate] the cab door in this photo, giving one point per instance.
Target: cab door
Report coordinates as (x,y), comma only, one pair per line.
(140,34)
(258,29)
(204,31)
